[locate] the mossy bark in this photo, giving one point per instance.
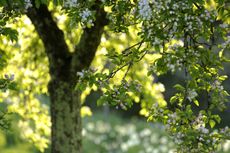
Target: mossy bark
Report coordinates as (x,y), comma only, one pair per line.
(65,115)
(63,66)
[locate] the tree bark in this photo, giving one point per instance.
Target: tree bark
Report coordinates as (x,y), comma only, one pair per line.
(65,101)
(65,118)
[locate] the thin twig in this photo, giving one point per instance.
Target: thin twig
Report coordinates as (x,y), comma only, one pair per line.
(197,6)
(125,53)
(129,64)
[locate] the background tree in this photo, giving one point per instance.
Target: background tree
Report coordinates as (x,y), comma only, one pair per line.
(7,81)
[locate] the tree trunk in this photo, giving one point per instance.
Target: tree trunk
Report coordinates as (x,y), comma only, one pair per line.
(63,67)
(65,115)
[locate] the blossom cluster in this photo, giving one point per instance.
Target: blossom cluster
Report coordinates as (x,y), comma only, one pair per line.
(28,4)
(157,110)
(145,11)
(176,23)
(82,73)
(217,85)
(203,136)
(70,3)
(191,94)
(78,13)
(198,122)
(226,43)
(178,138)
(86,17)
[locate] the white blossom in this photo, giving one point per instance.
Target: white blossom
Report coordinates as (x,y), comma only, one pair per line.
(80,74)
(70,3)
(226,43)
(214,141)
(156,41)
(28,4)
(191,94)
(86,16)
(217,85)
(173,116)
(201,139)
(224,130)
(178,138)
(144,9)
(198,122)
(224,25)
(204,130)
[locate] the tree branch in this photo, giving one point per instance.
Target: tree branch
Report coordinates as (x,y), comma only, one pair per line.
(90,40)
(53,40)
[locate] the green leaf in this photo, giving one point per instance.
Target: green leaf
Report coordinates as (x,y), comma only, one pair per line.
(212,123)
(149,73)
(11,33)
(173,99)
(223,77)
(196,102)
(150,118)
(179,87)
(12,86)
(80,86)
(217,118)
